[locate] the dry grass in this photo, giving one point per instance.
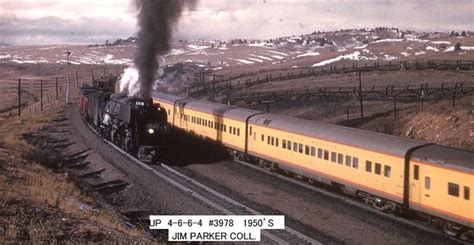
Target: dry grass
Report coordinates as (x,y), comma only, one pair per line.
(41,205)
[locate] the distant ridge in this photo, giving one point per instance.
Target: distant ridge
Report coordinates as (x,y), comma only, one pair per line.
(4,44)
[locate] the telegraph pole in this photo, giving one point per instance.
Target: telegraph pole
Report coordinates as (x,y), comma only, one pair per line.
(360,96)
(68,52)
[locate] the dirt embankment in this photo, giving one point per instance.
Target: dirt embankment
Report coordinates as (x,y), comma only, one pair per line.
(39,203)
(441,124)
(436,122)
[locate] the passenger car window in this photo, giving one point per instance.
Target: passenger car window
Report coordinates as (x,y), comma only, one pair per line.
(368,166)
(466,193)
(306,149)
(416,172)
(340,158)
(387,171)
(378,168)
(427,183)
(320,153)
(289,145)
(295,146)
(301,148)
(348,160)
(313,151)
(333,157)
(355,162)
(326,155)
(283,144)
(453,189)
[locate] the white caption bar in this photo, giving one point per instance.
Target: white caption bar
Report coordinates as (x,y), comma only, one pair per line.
(216,227)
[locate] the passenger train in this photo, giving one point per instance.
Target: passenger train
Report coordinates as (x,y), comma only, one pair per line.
(393,174)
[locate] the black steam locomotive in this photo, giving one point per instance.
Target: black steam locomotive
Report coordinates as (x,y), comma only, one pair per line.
(135,125)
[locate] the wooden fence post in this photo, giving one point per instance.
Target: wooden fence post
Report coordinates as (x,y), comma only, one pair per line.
(41,94)
(19,97)
(454,94)
(360,96)
(57,88)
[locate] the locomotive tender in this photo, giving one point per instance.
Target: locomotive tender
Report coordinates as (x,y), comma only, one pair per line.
(390,173)
(137,126)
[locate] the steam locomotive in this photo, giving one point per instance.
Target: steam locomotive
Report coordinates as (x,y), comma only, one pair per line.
(135,125)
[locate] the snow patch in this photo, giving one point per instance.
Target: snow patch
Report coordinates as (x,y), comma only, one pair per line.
(420,53)
(389,57)
(176,51)
(262,44)
(280,53)
(22,61)
(353,56)
(388,40)
(441,42)
(449,49)
(197,47)
(361,47)
(255,59)
(109,59)
(310,53)
(261,57)
(71,61)
(277,57)
(243,61)
(405,54)
(432,48)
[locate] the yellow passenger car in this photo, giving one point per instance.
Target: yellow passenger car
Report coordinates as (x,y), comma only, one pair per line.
(390,173)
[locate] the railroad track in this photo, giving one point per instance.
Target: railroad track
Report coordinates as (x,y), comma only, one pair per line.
(220,202)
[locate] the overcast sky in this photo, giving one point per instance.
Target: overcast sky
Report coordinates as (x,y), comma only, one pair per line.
(26,22)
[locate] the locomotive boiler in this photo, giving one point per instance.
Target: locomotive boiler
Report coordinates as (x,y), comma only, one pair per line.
(135,125)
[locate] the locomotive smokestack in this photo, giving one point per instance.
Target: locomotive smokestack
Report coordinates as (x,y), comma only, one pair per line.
(156,20)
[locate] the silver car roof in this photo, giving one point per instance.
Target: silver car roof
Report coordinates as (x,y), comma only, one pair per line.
(383,143)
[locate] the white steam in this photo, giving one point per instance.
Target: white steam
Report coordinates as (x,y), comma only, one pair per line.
(129,81)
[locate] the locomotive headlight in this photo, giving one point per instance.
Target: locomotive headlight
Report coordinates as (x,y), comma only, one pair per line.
(151,131)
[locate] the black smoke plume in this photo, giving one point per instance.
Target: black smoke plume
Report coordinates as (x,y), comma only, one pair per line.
(156,20)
